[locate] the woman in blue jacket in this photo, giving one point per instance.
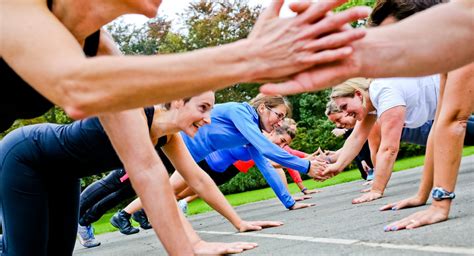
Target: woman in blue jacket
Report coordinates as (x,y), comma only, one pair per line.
(237,124)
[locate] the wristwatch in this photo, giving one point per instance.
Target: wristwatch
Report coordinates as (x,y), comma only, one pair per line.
(439,194)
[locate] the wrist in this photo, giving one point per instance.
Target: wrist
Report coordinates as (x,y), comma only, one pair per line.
(247,56)
(304,190)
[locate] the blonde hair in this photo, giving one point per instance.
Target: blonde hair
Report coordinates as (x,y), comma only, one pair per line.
(271,102)
(350,87)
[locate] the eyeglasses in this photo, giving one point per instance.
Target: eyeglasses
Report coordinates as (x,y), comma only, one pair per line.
(280,116)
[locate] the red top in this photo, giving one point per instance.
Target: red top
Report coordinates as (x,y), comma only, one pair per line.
(244,166)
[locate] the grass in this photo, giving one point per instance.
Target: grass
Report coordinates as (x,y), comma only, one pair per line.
(199,206)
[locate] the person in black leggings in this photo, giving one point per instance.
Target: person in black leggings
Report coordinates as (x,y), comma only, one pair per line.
(108,192)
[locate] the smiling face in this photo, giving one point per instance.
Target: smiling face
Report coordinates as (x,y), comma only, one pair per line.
(271,118)
(195,113)
(352,106)
(279,139)
(342,120)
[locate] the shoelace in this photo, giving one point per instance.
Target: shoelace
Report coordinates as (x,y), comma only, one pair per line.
(90,233)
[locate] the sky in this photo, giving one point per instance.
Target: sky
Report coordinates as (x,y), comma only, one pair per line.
(170,8)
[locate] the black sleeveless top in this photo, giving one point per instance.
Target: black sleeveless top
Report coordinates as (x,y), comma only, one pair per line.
(20,99)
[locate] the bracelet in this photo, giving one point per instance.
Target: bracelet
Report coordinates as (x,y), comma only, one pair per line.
(303,190)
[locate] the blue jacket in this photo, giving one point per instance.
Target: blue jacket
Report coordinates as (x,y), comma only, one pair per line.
(237,124)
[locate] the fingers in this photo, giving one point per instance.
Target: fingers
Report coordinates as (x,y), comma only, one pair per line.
(239,247)
(334,41)
(264,223)
(387,207)
(316,11)
(334,22)
(300,7)
(272,11)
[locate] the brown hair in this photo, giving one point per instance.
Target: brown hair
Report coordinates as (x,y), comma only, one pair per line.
(285,128)
(167,105)
(271,102)
(331,108)
(399,9)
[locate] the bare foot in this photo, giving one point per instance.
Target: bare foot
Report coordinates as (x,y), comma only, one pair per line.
(370,196)
(426,217)
(208,248)
(405,203)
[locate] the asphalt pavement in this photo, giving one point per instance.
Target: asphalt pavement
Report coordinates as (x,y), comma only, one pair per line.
(333,227)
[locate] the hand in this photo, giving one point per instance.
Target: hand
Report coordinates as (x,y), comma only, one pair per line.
(331,171)
(338,132)
(311,191)
(368,183)
(286,46)
(257,225)
(365,190)
(208,248)
(301,198)
(405,203)
(370,196)
(432,215)
(297,206)
(316,168)
(365,166)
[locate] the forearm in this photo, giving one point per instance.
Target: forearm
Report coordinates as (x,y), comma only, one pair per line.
(385,159)
(415,37)
(349,151)
(426,183)
(99,84)
(162,211)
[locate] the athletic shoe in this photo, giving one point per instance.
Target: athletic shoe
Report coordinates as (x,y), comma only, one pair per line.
(121,220)
(370,175)
(142,219)
(86,236)
(183,206)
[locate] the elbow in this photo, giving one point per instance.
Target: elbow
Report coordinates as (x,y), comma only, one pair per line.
(77,95)
(391,151)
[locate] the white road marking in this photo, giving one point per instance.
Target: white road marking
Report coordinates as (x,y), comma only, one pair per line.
(428,248)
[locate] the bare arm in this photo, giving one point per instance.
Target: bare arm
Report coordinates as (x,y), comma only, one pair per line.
(148,176)
(391,123)
(352,145)
(198,180)
(48,56)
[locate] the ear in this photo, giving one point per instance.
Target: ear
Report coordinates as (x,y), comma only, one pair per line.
(261,108)
(176,104)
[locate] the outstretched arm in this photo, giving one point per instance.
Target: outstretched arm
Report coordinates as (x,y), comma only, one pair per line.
(49,57)
(352,146)
(204,186)
(391,122)
(148,176)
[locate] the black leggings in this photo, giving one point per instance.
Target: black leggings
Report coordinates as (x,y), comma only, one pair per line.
(108,192)
(219,177)
(51,226)
(103,195)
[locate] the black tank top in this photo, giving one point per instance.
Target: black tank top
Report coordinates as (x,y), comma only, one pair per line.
(20,100)
(149,112)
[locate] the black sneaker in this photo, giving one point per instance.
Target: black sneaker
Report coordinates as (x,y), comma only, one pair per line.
(121,220)
(141,218)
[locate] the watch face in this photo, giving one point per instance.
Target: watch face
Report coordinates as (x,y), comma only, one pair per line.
(440,194)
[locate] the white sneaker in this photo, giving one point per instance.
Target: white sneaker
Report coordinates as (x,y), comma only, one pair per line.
(86,236)
(183,206)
